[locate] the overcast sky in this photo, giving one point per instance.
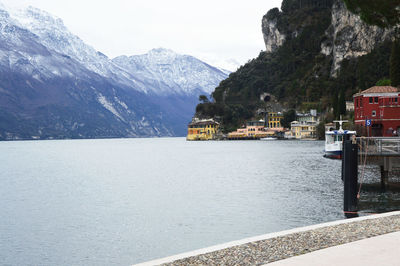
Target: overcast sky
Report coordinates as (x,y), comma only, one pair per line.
(212,30)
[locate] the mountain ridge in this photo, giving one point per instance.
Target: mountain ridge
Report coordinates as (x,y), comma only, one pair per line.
(53,85)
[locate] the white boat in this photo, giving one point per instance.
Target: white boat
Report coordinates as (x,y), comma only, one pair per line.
(269,138)
(334,141)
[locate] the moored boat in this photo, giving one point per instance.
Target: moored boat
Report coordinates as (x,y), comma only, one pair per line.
(334,141)
(269,138)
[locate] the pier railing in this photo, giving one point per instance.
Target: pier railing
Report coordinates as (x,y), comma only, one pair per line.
(379,146)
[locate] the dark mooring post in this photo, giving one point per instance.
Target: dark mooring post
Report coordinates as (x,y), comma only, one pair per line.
(384,179)
(350,175)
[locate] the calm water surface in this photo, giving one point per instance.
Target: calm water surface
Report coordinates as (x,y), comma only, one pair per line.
(124,201)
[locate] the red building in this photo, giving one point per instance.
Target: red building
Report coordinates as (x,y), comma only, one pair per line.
(381,105)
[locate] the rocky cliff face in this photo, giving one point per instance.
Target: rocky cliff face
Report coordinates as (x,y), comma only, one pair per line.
(273,38)
(347,37)
(307,42)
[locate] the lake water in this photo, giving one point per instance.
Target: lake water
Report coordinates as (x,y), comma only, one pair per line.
(125,201)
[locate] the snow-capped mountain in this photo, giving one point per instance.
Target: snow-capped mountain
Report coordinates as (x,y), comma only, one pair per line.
(54,35)
(52,84)
(161,71)
(170,72)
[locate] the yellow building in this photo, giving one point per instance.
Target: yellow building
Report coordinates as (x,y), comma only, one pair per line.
(305,127)
(303,131)
(274,120)
(202,130)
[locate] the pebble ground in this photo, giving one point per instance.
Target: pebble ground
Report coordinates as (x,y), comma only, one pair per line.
(274,249)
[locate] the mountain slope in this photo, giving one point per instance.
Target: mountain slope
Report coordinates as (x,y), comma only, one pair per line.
(53,85)
(314,50)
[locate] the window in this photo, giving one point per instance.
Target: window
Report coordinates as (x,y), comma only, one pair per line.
(395,100)
(371,100)
(376,99)
(374,113)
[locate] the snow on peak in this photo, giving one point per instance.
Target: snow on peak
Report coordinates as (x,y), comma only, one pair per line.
(160,71)
(168,72)
(53,34)
(162,52)
(43,17)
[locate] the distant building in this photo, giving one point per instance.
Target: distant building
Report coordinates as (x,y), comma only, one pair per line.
(274,120)
(330,127)
(305,127)
(349,106)
(380,105)
(303,131)
(253,129)
(202,130)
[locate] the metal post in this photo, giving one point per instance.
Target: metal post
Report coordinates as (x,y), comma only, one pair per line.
(345,137)
(350,172)
(384,178)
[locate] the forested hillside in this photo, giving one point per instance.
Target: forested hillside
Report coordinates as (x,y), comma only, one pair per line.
(311,60)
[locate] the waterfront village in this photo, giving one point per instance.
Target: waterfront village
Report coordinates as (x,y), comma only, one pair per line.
(305,127)
(379,105)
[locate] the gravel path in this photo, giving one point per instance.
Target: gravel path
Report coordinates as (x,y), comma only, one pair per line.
(282,247)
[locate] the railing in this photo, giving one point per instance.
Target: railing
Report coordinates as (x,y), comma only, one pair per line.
(379,146)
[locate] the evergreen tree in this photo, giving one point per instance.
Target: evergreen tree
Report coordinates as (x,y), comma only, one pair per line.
(395,64)
(335,105)
(341,104)
(203,99)
(384,82)
(288,117)
(383,13)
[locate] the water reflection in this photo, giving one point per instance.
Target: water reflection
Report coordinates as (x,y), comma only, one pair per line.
(375,199)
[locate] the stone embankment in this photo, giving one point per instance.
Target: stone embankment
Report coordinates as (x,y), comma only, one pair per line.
(277,246)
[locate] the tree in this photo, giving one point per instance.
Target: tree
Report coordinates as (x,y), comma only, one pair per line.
(384,82)
(395,64)
(288,117)
(203,99)
(341,104)
(335,105)
(382,13)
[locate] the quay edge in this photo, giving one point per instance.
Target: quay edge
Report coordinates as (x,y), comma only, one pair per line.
(357,228)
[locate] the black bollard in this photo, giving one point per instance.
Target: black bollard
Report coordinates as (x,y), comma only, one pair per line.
(350,175)
(384,179)
(345,137)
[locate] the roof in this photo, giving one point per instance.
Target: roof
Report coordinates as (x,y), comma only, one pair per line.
(203,122)
(380,89)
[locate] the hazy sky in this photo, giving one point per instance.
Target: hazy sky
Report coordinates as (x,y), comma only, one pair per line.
(213,30)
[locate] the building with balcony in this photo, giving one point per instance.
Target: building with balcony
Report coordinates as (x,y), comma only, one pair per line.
(274,120)
(305,127)
(253,130)
(202,130)
(380,105)
(303,130)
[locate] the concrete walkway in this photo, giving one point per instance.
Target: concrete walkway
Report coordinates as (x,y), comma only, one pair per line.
(380,250)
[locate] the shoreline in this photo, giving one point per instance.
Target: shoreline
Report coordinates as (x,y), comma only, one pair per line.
(285,244)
